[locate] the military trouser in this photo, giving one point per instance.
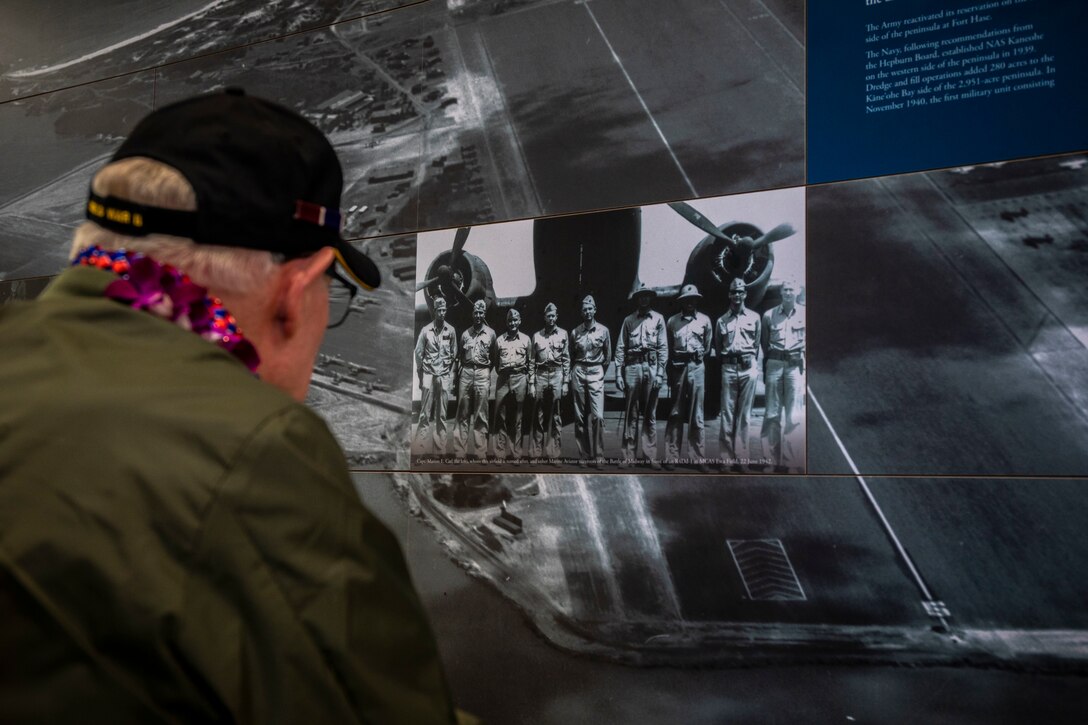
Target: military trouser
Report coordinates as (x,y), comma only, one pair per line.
(782,434)
(640,410)
(431,424)
(510,389)
(588,383)
(547,424)
(473,391)
(687,387)
(738,392)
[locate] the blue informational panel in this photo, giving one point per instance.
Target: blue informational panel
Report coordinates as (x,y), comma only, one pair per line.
(907,85)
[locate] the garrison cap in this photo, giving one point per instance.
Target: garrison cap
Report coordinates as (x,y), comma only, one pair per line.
(479,305)
(588,300)
(265,178)
(738,284)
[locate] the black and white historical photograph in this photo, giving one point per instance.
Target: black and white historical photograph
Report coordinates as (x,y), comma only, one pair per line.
(444,112)
(361,383)
(668,337)
(648,598)
(951,334)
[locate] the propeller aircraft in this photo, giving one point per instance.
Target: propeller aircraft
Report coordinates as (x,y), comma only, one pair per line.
(599,254)
(607,255)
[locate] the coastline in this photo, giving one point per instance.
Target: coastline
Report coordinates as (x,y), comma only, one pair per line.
(33,72)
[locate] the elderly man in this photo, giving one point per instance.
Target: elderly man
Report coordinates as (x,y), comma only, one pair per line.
(549,378)
(513,352)
(737,336)
(180,540)
(690,337)
(642,351)
(591,349)
(474,385)
(436,352)
(783,342)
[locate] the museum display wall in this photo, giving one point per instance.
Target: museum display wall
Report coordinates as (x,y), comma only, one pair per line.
(929,211)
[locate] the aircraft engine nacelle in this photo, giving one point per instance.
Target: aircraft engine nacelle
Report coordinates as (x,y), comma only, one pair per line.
(711,267)
(472,275)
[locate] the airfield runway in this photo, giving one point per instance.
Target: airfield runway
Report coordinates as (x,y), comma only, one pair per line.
(947,323)
(623,557)
(999,554)
(599,126)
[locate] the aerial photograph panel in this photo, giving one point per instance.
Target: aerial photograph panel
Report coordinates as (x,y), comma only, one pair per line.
(444,113)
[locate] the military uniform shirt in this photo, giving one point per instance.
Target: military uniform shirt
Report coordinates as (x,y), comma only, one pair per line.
(436,350)
(690,334)
(643,333)
(785,331)
(738,334)
(592,344)
(513,352)
(551,349)
(476,346)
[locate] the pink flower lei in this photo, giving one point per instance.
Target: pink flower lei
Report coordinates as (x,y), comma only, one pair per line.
(163,291)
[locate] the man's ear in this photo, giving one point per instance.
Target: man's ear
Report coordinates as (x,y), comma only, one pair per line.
(296,278)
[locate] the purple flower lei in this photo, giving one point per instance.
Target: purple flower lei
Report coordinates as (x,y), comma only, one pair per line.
(144,284)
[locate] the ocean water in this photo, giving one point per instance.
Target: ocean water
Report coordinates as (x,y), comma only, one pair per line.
(37,33)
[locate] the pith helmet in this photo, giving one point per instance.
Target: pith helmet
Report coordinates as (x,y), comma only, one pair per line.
(642,289)
(688,291)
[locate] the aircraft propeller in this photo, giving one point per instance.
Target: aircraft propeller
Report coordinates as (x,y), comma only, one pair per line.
(736,254)
(459,240)
(692,215)
(449,277)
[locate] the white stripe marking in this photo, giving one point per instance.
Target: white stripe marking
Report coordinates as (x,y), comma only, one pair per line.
(660,133)
(593,523)
(872,500)
(655,556)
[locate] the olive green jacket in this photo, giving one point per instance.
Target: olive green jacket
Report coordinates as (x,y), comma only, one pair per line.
(180,542)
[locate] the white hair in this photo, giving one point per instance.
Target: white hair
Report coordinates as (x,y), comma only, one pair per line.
(144,181)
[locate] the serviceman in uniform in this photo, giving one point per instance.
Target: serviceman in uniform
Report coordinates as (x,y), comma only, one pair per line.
(474,385)
(736,343)
(783,343)
(642,351)
(513,351)
(690,337)
(591,348)
(549,379)
(436,351)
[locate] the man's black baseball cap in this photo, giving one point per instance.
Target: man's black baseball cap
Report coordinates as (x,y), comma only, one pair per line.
(264,176)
